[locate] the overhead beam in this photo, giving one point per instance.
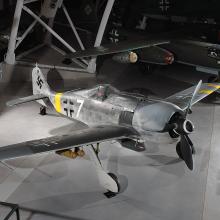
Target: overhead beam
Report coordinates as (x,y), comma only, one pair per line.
(29,1)
(53,33)
(104,22)
(26,33)
(73,27)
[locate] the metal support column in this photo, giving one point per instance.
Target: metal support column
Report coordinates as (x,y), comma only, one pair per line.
(92,64)
(48,11)
(10,57)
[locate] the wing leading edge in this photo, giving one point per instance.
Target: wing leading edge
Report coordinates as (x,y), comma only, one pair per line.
(116,48)
(79,138)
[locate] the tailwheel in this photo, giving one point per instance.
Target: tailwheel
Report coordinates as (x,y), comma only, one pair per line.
(178,150)
(43,110)
(111,194)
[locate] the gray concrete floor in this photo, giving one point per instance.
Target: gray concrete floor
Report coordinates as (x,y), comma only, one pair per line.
(155,184)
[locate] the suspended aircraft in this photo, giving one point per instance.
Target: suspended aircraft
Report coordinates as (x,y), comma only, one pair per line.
(146,51)
(171,48)
(111,114)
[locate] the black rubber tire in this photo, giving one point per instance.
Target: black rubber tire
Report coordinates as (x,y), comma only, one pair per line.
(43,110)
(178,150)
(115,178)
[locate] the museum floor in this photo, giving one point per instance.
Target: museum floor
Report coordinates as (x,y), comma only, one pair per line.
(155,184)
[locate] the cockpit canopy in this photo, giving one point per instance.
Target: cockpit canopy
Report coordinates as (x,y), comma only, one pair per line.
(101,92)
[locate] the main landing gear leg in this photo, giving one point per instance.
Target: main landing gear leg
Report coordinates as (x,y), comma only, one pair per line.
(107,180)
(43,110)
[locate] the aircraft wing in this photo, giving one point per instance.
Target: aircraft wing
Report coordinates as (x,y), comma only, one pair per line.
(79,138)
(116,48)
(182,98)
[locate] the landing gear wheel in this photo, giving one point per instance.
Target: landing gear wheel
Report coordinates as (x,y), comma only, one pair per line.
(110,194)
(178,151)
(43,110)
(115,178)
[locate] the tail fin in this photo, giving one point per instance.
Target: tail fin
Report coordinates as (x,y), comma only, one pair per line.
(39,82)
(41,90)
(40,85)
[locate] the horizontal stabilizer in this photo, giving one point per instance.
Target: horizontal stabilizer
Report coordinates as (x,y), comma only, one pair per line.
(26,99)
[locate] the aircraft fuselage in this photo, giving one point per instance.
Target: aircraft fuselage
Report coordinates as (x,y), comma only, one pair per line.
(92,110)
(94,107)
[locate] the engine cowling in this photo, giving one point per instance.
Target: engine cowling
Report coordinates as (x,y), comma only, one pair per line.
(153,116)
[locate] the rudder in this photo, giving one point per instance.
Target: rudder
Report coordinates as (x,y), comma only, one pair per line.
(39,84)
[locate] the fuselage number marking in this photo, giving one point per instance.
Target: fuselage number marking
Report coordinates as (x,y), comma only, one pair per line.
(80,101)
(69,105)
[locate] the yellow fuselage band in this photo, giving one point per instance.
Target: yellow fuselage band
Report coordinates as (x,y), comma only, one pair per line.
(57,102)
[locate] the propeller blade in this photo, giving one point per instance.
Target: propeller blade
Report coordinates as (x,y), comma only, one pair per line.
(193,96)
(186,151)
(191,144)
(189,141)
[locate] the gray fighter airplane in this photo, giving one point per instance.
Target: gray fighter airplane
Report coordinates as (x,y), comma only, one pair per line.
(112,115)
